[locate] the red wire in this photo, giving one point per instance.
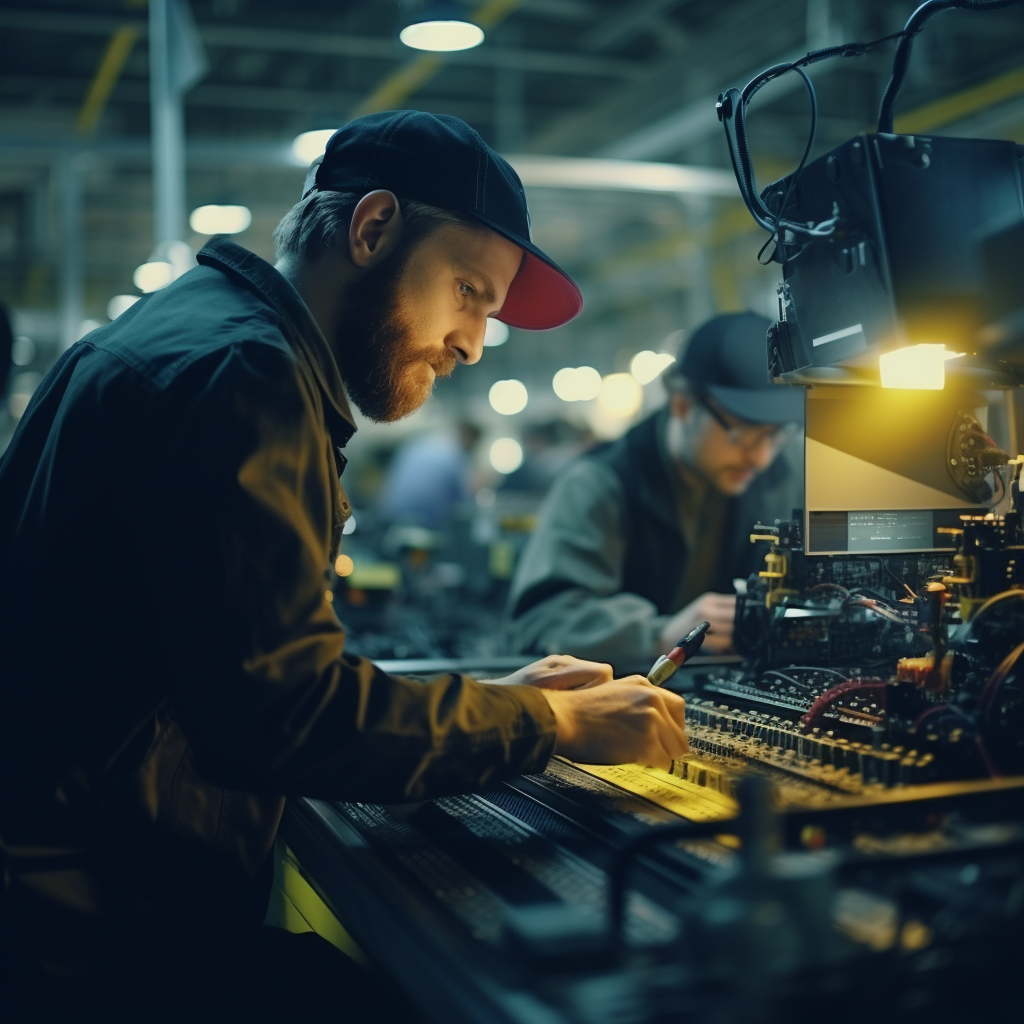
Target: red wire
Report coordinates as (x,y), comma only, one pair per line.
(829,697)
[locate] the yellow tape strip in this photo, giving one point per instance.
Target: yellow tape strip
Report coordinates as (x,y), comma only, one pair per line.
(682,797)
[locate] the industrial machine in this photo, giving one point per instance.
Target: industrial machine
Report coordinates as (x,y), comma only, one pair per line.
(846,836)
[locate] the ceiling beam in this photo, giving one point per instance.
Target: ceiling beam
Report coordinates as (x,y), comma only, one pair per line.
(335,44)
(699,71)
(536,171)
(306,102)
(626,23)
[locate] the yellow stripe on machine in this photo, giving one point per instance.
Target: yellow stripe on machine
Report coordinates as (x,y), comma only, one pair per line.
(696,796)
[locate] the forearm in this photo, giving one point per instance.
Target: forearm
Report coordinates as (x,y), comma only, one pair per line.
(357,733)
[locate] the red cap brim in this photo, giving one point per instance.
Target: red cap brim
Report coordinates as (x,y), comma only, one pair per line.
(540,297)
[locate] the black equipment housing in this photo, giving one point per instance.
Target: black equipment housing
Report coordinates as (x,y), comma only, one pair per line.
(929,248)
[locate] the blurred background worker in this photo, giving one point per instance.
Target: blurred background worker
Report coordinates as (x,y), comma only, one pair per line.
(429,475)
(640,540)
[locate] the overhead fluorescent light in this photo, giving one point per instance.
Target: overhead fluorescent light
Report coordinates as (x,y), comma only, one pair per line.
(626,175)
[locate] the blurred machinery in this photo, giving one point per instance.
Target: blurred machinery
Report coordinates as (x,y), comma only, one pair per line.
(846,836)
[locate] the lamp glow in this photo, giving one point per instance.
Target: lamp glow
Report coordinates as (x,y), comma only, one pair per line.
(219,220)
(621,396)
(506,455)
(916,367)
(495,334)
(647,365)
(119,304)
(576,384)
(508,397)
(151,277)
(442,35)
(309,145)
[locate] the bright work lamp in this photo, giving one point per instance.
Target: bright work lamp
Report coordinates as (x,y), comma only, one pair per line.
(441,27)
(917,367)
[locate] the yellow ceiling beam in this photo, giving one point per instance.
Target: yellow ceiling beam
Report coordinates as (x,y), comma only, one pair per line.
(111,65)
(414,74)
(959,105)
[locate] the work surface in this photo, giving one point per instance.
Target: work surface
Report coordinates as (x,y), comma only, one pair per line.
(623,894)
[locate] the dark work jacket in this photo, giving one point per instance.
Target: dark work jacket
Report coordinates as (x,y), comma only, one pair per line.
(172,666)
(655,547)
(601,572)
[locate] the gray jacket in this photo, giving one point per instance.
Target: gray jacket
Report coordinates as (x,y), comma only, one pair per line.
(596,578)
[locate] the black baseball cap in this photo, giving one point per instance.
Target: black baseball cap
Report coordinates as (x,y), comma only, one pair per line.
(727,359)
(440,160)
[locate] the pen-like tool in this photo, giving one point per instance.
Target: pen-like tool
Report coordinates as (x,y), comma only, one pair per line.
(666,665)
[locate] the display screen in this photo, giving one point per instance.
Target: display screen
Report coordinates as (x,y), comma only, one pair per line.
(882,530)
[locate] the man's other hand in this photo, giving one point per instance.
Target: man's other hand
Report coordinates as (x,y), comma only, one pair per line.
(625,721)
(560,672)
(718,609)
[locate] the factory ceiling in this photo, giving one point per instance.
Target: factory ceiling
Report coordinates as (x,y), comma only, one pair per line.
(582,78)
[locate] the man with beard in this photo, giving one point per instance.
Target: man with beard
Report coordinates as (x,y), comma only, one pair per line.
(169,508)
(640,541)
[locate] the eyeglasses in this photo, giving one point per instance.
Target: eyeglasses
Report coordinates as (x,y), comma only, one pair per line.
(747,436)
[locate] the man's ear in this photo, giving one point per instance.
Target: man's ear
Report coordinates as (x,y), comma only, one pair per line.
(375,227)
(680,405)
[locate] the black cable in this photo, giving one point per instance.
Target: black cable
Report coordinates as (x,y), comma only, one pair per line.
(779,239)
(732,111)
(901,59)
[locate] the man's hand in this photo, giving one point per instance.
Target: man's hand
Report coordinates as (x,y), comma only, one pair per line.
(718,609)
(625,721)
(559,672)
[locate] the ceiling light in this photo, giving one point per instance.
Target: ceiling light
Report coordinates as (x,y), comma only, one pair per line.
(916,367)
(506,455)
(119,303)
(219,220)
(150,277)
(442,27)
(309,145)
(508,397)
(647,365)
(577,384)
(628,175)
(495,334)
(621,396)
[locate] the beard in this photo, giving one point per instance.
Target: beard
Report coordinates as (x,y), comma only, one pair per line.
(384,375)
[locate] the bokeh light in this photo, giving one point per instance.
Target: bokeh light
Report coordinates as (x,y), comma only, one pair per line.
(496,333)
(621,396)
(508,396)
(647,365)
(119,304)
(577,384)
(506,455)
(309,145)
(151,277)
(219,220)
